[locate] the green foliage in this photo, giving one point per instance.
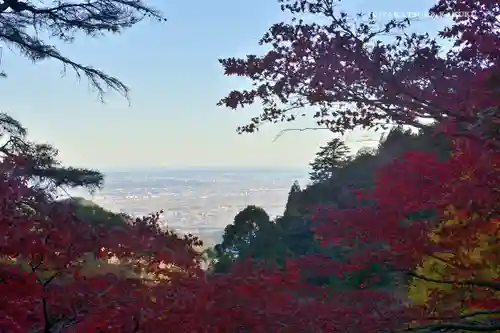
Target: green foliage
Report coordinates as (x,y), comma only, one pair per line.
(40,163)
(373,277)
(94,214)
(329,159)
(400,140)
(296,236)
(251,235)
(293,201)
(48,174)
(334,176)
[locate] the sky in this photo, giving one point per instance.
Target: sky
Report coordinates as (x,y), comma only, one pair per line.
(175,80)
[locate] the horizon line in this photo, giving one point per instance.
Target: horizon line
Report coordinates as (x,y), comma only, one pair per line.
(180,168)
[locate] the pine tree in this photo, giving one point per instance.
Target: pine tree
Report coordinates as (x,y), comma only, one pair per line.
(330,158)
(37,28)
(292,203)
(40,164)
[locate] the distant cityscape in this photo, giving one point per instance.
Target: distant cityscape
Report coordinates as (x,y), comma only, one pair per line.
(201,201)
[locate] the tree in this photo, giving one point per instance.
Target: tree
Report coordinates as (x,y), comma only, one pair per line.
(341,68)
(39,163)
(330,158)
(293,200)
(90,212)
(294,238)
(295,187)
(25,23)
(44,253)
(250,235)
(424,183)
(479,255)
(47,279)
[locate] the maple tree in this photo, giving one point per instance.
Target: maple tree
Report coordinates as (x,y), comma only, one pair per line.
(341,68)
(354,80)
(56,273)
(480,257)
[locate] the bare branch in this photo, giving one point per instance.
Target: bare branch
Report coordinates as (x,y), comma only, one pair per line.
(280,134)
(478,283)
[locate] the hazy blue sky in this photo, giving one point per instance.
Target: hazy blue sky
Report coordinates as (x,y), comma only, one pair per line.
(175,82)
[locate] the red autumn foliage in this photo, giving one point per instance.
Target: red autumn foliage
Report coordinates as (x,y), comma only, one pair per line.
(469,181)
(42,281)
(44,251)
(341,69)
(353,80)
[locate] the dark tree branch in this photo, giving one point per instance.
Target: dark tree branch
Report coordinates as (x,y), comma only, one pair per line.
(478,283)
(63,20)
(282,132)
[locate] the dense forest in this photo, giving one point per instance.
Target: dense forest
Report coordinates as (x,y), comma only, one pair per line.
(402,238)
(335,178)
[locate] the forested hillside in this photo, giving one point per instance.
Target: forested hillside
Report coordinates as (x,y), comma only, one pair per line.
(335,180)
